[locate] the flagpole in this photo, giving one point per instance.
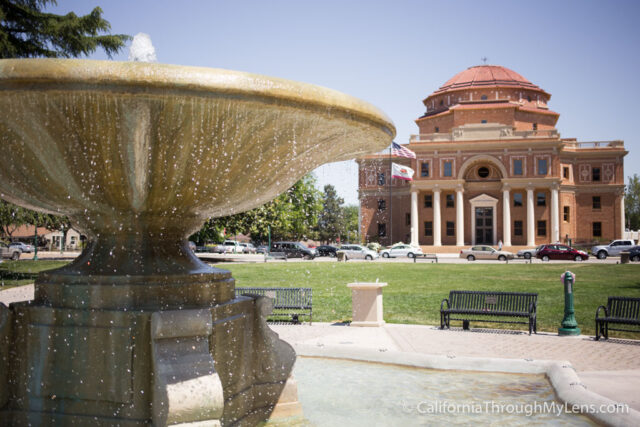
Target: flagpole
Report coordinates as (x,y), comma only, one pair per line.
(390,196)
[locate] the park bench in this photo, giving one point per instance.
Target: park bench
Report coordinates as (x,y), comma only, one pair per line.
(287,302)
(275,255)
(425,256)
(618,311)
(474,304)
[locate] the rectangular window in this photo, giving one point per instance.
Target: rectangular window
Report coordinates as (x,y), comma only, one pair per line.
(437,129)
(542,166)
(450,200)
(424,169)
(483,121)
(517,166)
(381,179)
(517,228)
(535,126)
(517,200)
(382,230)
(597,229)
(565,172)
(428,228)
(595,174)
(407,219)
(542,228)
(596,202)
(428,201)
(566,215)
(382,205)
(448,168)
(542,199)
(451,228)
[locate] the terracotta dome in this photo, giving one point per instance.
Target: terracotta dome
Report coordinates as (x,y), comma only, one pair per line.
(483,76)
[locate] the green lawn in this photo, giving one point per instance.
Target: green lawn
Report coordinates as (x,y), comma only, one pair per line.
(414,291)
(18,273)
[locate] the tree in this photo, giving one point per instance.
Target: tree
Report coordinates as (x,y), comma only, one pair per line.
(26,32)
(351,231)
(632,203)
(331,221)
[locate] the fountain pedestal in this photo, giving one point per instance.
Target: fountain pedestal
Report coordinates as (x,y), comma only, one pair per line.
(139,156)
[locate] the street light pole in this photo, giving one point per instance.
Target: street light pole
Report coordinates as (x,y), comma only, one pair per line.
(35,242)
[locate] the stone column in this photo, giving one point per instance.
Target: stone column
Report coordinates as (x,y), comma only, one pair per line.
(414,218)
(459,217)
(622,217)
(506,217)
(555,224)
(437,240)
(531,239)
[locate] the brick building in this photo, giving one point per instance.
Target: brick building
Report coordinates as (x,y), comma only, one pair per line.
(491,166)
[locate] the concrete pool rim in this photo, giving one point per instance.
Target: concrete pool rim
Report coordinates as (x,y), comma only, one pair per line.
(561,374)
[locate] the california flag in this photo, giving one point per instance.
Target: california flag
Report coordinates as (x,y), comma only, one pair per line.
(401,172)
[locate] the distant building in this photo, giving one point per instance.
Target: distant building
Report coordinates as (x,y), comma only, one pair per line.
(491,166)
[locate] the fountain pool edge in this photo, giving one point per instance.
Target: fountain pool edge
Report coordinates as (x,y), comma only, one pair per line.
(561,374)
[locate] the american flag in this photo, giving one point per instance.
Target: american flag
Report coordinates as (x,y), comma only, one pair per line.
(400,151)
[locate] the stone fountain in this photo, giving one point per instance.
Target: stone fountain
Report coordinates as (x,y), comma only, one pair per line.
(137,329)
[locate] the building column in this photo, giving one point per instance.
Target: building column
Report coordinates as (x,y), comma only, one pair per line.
(531,239)
(622,217)
(437,228)
(459,217)
(506,217)
(414,218)
(555,224)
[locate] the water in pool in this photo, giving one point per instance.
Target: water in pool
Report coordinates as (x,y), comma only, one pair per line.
(336,392)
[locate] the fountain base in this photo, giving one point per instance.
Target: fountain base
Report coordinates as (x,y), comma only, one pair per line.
(102,365)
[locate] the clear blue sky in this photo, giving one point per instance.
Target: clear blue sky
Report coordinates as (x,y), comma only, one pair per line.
(395,53)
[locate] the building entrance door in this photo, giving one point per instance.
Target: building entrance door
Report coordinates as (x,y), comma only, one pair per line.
(484,226)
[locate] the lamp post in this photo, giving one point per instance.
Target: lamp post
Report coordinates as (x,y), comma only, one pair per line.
(35,242)
(569,323)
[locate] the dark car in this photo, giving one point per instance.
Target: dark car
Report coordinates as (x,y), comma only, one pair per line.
(634,253)
(561,252)
(327,250)
(293,250)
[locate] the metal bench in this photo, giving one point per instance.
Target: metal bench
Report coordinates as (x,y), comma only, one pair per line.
(287,302)
(474,304)
(425,256)
(275,255)
(618,311)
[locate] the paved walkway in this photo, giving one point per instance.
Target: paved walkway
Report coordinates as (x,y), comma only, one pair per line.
(610,368)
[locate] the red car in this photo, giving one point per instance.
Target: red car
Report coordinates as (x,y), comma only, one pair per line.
(562,252)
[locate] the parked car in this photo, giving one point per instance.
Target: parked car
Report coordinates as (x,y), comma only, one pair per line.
(528,253)
(248,248)
(262,249)
(485,252)
(612,249)
(327,250)
(10,252)
(358,252)
(563,252)
(401,249)
(293,250)
(229,246)
(634,253)
(24,247)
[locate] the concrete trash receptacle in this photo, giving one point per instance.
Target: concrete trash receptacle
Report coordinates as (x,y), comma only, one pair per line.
(366,300)
(624,257)
(340,255)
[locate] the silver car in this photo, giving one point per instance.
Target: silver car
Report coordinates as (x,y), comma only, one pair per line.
(358,252)
(528,253)
(401,250)
(485,252)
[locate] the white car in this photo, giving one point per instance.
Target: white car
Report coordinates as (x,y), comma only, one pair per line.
(248,248)
(401,250)
(357,252)
(229,247)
